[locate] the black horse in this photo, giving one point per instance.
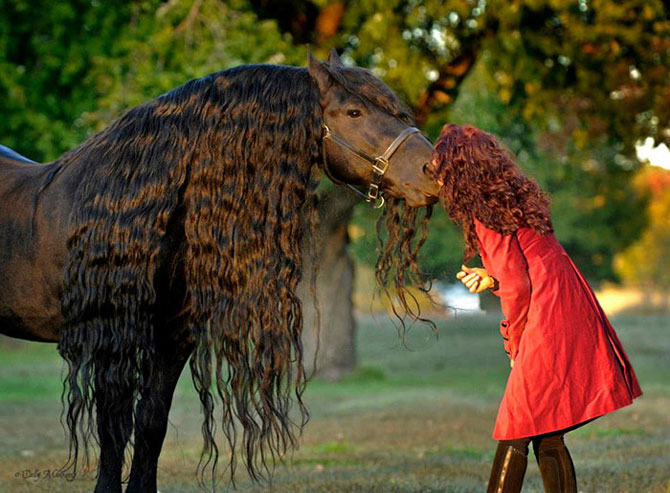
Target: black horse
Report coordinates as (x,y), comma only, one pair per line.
(175,233)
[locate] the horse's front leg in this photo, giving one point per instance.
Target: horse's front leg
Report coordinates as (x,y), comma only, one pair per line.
(152,418)
(114,422)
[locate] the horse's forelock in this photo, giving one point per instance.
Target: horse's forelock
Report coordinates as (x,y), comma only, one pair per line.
(360,82)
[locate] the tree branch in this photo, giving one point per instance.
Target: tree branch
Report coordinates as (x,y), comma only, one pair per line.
(328,22)
(443,91)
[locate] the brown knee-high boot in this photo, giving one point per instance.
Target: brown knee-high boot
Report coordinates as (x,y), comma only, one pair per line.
(556,467)
(509,467)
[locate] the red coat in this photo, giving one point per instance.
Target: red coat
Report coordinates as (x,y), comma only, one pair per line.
(569,366)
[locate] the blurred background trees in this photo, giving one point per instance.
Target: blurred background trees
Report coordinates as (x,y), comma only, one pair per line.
(645,262)
(570,86)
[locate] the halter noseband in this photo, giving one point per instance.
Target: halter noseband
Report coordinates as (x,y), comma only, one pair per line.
(379,164)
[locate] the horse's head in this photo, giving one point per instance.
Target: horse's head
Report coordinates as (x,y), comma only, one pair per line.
(369,137)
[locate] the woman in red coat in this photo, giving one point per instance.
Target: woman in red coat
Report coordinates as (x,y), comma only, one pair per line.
(568,366)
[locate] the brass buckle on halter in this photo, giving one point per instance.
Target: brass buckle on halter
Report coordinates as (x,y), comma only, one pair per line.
(373,191)
(374,197)
(380,170)
(379,167)
(380,164)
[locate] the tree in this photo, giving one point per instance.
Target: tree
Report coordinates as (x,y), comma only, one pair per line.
(181,40)
(46,52)
(645,262)
(329,338)
(569,86)
(326,25)
(69,68)
(576,84)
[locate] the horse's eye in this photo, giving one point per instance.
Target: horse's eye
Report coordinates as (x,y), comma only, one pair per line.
(354,113)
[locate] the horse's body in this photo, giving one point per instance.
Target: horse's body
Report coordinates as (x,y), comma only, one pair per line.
(176,232)
(35,210)
(33,234)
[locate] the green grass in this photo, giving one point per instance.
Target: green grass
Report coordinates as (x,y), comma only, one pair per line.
(408,420)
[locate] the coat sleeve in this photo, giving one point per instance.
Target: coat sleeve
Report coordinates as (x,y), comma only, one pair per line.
(503,258)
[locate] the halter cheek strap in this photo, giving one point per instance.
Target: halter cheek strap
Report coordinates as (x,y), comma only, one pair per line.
(380,164)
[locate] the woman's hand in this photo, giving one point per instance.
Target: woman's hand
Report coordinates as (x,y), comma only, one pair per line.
(476,279)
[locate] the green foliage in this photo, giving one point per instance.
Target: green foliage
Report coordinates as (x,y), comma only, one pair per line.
(68,68)
(182,40)
(601,63)
(596,210)
(408,42)
(568,86)
(46,50)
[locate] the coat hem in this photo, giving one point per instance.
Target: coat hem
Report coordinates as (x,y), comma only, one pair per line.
(586,418)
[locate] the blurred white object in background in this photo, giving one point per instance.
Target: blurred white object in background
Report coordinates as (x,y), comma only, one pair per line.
(656,156)
(458,300)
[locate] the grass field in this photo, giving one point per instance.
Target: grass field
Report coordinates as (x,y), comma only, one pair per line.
(414,420)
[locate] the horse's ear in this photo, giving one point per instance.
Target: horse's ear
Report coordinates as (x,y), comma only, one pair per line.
(318,73)
(334,59)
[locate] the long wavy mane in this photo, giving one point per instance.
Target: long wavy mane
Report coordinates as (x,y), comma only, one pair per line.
(229,157)
(236,148)
(401,232)
(480,179)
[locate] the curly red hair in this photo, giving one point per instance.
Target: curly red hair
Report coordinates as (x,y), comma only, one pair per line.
(480,179)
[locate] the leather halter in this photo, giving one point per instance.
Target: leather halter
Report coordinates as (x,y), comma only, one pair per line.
(379,163)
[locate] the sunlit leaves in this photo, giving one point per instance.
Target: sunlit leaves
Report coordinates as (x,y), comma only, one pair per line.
(603,61)
(645,263)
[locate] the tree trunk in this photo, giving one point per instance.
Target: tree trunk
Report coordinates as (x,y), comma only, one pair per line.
(330,349)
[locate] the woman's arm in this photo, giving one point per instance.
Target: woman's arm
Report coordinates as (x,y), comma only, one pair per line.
(502,255)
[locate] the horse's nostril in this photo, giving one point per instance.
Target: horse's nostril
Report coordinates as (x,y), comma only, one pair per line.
(426,169)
